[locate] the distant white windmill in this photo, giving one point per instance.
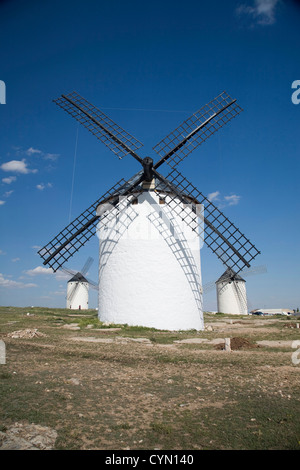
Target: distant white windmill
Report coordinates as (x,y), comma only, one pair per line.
(78,287)
(231,293)
(231,290)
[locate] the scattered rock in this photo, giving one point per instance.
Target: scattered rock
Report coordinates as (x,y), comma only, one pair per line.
(74,381)
(191,340)
(238,343)
(136,340)
(276,344)
(107,330)
(92,339)
(71,326)
(27,437)
(27,333)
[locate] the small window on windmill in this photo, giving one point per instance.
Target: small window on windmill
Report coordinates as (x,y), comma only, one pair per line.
(162,200)
(135,201)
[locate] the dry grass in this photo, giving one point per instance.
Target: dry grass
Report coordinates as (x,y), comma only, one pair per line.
(153,394)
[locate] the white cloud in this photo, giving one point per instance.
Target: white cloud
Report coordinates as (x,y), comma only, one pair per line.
(8,193)
(213,196)
(51,156)
(36,247)
(232,200)
(42,186)
(223,201)
(14,284)
(2,203)
(261,11)
(17,166)
(39,270)
(46,156)
(58,292)
(14,260)
(9,179)
(32,151)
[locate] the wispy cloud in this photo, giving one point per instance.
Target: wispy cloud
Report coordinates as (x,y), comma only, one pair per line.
(17,166)
(223,201)
(213,196)
(51,156)
(42,186)
(14,260)
(37,152)
(232,200)
(9,283)
(39,270)
(9,179)
(261,11)
(2,203)
(32,151)
(8,193)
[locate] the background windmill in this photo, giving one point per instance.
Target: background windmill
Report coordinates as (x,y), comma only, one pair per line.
(231,290)
(153,290)
(78,287)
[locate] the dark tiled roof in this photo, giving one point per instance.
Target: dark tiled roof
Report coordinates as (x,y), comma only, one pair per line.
(78,277)
(229,274)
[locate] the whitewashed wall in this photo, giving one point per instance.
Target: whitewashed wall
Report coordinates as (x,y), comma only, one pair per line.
(232,298)
(80,299)
(149,268)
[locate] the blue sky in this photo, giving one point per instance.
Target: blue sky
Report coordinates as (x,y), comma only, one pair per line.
(148,65)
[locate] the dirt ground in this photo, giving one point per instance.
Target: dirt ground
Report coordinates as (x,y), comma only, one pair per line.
(70,383)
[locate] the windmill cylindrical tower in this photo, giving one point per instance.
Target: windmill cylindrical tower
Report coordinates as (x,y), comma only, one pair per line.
(149,265)
(78,293)
(231,293)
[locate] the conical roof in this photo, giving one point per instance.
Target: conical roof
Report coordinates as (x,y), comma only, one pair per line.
(229,274)
(78,277)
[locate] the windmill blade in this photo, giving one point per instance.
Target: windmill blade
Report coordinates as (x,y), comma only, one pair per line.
(209,286)
(92,284)
(78,232)
(245,273)
(240,297)
(221,236)
(87,266)
(196,130)
(67,271)
(107,131)
(73,292)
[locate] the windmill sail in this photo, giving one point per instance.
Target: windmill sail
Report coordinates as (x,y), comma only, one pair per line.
(196,130)
(227,277)
(101,126)
(221,236)
(78,232)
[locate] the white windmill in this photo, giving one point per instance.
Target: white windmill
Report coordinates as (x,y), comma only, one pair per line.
(78,287)
(231,293)
(231,290)
(152,280)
